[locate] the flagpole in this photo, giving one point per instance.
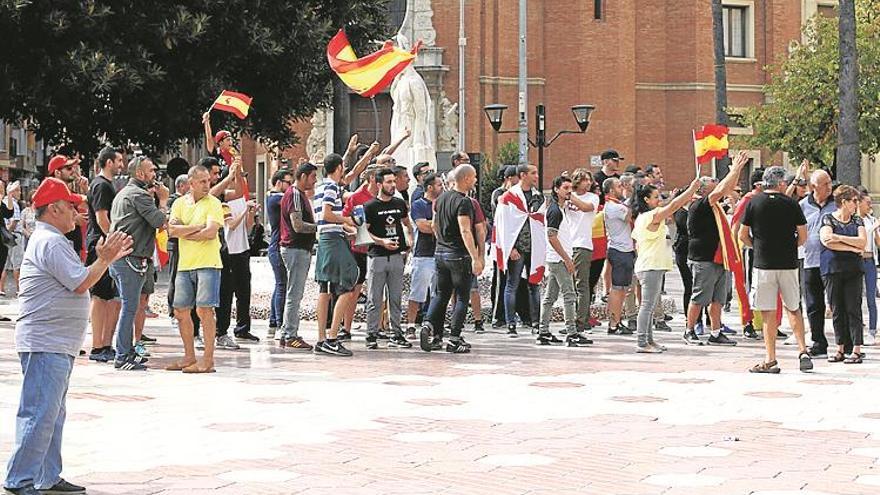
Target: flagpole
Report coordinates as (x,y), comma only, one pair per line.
(696,158)
(375,119)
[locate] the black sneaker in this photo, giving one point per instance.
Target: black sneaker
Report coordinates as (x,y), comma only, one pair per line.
(319,347)
(100,355)
(129,363)
(667,317)
(750,333)
(462,342)
(457,347)
(371,342)
(721,339)
(381,335)
(780,334)
(147,341)
(806,364)
(247,337)
(817,352)
(425,338)
(437,343)
(398,340)
(662,326)
(622,329)
(63,488)
(336,348)
(632,325)
(511,331)
(478,327)
(25,490)
(690,338)
(577,340)
(343,335)
(547,339)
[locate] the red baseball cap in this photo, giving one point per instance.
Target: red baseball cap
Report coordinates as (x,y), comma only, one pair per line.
(52,190)
(58,162)
(221,135)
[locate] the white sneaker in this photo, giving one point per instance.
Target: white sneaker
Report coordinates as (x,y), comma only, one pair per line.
(200,344)
(227,342)
(870,340)
(791,340)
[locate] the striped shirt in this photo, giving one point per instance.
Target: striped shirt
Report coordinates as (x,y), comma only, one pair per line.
(327,193)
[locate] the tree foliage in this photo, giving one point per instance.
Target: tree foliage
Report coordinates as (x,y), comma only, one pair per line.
(507,154)
(802,109)
(128,70)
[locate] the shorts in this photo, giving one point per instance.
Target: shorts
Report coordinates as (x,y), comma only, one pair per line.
(622,266)
(16,253)
(423,279)
(361,259)
(150,277)
(197,288)
(767,284)
(710,283)
(105,287)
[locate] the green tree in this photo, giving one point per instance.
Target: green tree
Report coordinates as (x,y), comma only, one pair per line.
(801,112)
(128,70)
(508,154)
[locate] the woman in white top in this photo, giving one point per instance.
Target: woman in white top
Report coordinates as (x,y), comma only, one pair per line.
(868,257)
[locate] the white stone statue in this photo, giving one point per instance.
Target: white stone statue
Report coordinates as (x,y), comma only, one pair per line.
(447,136)
(316,144)
(414,110)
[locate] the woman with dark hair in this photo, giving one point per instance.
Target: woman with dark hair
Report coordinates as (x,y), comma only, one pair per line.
(600,247)
(843,239)
(654,255)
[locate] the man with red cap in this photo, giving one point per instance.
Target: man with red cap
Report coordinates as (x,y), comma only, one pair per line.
(66,169)
(54,311)
(218,145)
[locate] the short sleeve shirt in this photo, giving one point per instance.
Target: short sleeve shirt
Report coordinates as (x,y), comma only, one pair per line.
(422,209)
(448,207)
(385,221)
(555,217)
(618,227)
(654,251)
(831,261)
(52,317)
(295,200)
(328,193)
(101,194)
(773,219)
(198,254)
(273,214)
(703,239)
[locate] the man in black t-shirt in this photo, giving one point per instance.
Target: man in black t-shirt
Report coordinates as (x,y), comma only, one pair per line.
(705,256)
(457,260)
(104,309)
(775,226)
(610,168)
(387,220)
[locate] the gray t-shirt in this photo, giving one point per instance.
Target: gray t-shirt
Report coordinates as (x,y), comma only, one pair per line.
(618,227)
(52,317)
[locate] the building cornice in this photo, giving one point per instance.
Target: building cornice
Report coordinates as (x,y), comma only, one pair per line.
(698,86)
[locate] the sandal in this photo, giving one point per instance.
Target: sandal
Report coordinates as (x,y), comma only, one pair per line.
(806,363)
(197,368)
(178,366)
(854,358)
(836,357)
(765,368)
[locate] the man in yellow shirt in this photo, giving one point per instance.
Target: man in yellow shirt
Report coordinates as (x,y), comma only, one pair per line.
(195,220)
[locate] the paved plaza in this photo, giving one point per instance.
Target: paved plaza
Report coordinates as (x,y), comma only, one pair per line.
(510,418)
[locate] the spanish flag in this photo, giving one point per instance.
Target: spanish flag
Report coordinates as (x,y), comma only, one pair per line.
(232,102)
(710,142)
(368,75)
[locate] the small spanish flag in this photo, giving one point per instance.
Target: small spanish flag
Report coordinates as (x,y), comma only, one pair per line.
(232,102)
(368,75)
(710,142)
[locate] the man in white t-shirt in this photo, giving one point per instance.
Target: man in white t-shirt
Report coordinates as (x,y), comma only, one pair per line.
(235,279)
(579,223)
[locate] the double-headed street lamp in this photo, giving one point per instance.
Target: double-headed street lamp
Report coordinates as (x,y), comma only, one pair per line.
(495,113)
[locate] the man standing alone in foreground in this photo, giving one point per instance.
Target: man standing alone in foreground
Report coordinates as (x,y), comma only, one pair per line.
(48,335)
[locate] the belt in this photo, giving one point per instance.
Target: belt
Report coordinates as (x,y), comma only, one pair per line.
(868,256)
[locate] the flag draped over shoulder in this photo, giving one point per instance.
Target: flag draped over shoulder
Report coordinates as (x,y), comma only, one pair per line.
(710,142)
(369,75)
(732,259)
(510,217)
(238,104)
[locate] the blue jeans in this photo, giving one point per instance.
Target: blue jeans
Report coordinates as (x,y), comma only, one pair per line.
(454,274)
(36,456)
(129,283)
(276,306)
(514,277)
(297,262)
(871,294)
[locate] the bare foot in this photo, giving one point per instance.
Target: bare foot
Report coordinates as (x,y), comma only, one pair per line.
(180,365)
(200,367)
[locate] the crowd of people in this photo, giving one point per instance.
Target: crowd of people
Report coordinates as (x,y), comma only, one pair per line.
(795,242)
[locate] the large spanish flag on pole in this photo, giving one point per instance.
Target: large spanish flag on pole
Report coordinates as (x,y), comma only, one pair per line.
(368,75)
(234,103)
(710,142)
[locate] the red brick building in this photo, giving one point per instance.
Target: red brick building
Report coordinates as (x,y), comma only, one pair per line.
(647,66)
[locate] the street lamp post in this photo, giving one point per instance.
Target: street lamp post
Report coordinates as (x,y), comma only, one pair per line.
(582,114)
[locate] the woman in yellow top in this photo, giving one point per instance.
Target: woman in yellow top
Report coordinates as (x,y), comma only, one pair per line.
(654,254)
